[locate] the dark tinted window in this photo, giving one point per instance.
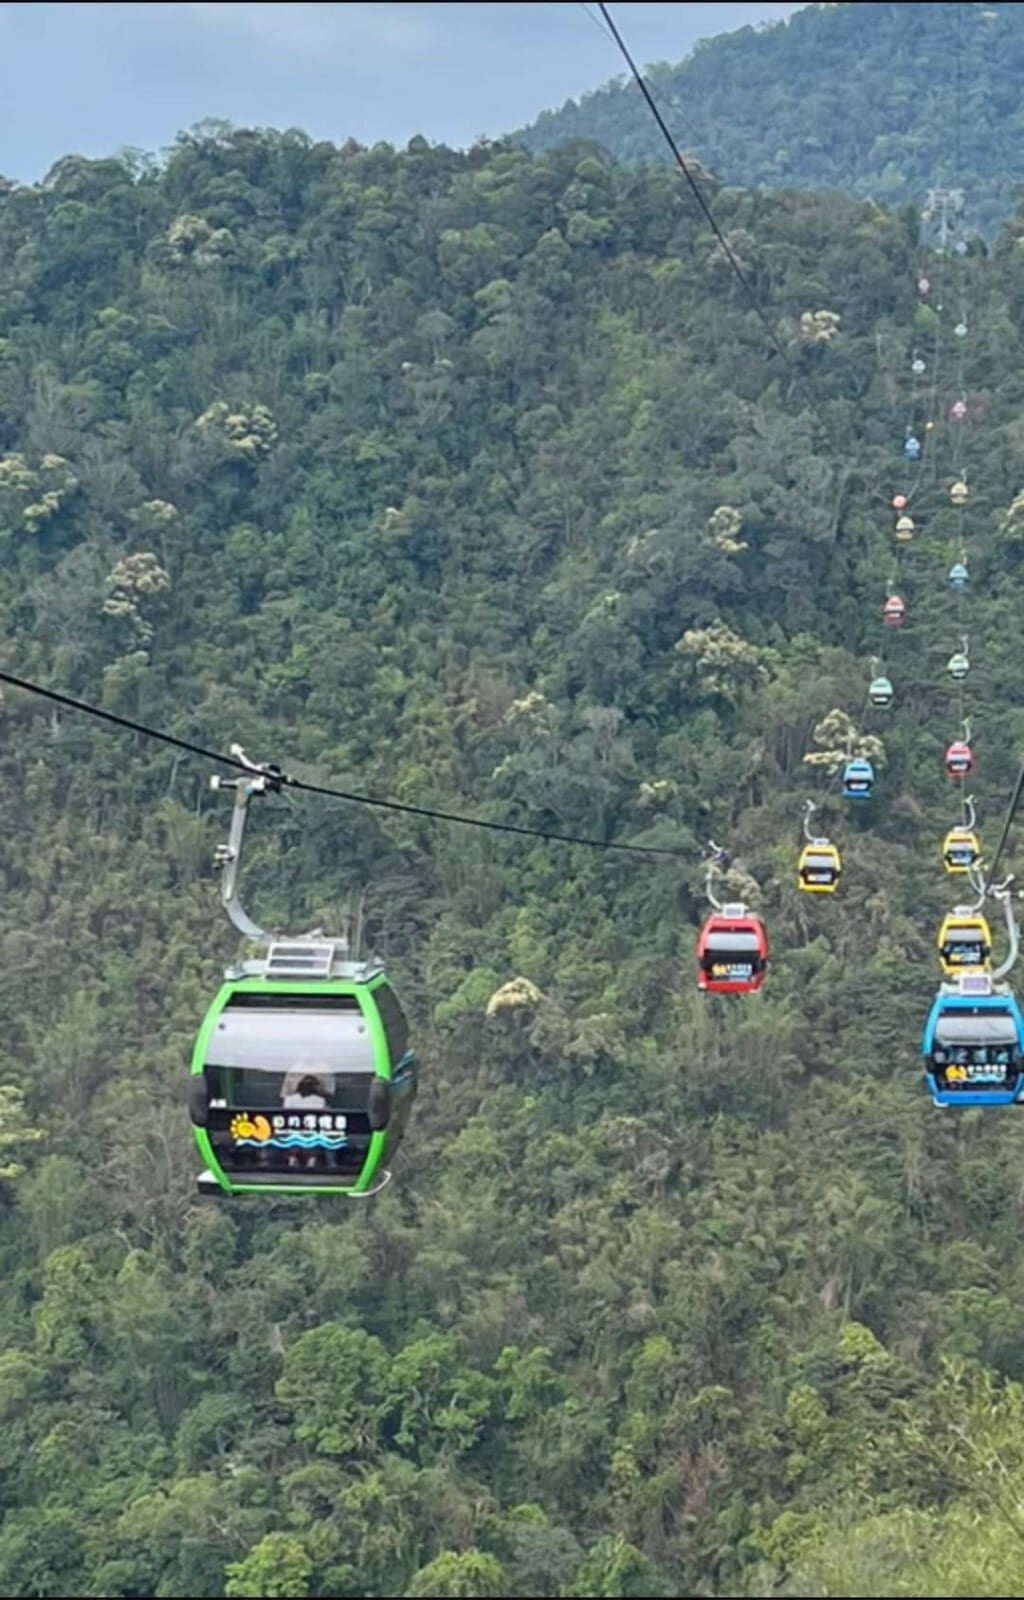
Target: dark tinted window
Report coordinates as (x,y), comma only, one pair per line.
(967,949)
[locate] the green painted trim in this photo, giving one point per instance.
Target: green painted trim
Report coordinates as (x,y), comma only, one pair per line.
(202,1138)
(374,1151)
(382,1066)
(375,1029)
(217,1005)
(210,1160)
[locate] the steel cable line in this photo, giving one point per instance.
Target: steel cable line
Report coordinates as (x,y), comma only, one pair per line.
(959,445)
(927,452)
(1011,812)
(928,435)
(300,785)
(667,134)
(959,294)
(930,456)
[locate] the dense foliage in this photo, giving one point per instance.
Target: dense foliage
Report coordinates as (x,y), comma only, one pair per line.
(472,479)
(880,100)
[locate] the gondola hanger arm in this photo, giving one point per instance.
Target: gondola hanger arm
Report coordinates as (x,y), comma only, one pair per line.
(1004,894)
(266,779)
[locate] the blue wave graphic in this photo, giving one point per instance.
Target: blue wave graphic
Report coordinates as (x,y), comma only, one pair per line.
(298,1141)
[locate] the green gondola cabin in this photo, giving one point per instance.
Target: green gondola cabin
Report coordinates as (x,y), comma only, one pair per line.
(302,1076)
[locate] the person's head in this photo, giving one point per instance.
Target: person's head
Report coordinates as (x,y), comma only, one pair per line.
(309,1085)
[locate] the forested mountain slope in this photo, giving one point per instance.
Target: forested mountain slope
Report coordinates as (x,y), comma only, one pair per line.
(878,100)
(402,468)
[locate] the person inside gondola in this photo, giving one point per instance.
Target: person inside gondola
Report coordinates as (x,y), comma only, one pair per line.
(309,1093)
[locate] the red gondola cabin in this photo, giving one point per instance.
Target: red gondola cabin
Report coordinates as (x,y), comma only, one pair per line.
(732,952)
(959,759)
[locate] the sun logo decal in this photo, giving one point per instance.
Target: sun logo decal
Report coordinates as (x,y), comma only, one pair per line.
(249,1130)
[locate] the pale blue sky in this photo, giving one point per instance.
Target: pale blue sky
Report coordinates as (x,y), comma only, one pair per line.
(89,79)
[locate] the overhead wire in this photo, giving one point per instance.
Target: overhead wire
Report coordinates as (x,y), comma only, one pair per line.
(670,140)
(959,470)
(302,786)
(1011,812)
(932,386)
(958,294)
(926,439)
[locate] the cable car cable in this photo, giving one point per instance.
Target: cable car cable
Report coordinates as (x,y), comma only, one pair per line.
(304,787)
(1018,788)
(642,85)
